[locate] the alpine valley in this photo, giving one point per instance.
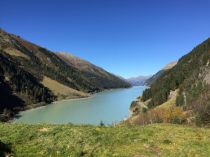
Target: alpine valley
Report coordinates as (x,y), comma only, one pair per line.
(112,96)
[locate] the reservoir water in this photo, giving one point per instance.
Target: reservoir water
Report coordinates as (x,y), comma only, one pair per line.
(108,106)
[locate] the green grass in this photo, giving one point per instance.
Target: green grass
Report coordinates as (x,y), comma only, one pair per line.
(123,141)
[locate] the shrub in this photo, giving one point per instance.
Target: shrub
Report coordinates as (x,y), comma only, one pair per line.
(133,104)
(198,120)
(158,115)
(174,115)
(167,141)
(176,120)
(201,106)
(102,123)
(150,104)
(180,100)
(144,109)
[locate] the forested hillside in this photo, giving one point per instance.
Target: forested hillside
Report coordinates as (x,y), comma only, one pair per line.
(152,79)
(98,76)
(191,77)
(31,76)
(19,88)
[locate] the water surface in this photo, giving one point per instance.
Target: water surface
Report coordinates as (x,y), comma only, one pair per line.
(107,106)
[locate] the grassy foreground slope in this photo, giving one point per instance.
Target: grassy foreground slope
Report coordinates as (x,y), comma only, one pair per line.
(123,141)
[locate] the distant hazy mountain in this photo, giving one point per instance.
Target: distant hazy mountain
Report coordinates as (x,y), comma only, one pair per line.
(138,81)
(31,76)
(152,79)
(148,80)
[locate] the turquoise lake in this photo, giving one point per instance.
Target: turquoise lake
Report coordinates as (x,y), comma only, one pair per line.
(108,106)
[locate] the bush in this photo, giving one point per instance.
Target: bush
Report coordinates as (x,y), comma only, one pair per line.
(201,106)
(136,111)
(102,123)
(146,94)
(144,109)
(198,120)
(167,141)
(133,104)
(150,104)
(180,100)
(174,115)
(176,120)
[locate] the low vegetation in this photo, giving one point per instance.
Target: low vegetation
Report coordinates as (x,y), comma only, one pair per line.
(167,112)
(165,140)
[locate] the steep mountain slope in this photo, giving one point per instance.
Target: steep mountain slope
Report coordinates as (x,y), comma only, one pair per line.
(30,74)
(19,88)
(97,75)
(138,81)
(152,79)
(191,76)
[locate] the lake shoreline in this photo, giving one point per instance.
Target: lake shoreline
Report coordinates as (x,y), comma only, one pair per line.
(17,115)
(109,106)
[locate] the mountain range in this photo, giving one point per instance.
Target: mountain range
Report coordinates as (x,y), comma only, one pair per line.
(148,80)
(138,81)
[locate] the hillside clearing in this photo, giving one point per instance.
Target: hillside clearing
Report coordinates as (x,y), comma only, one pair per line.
(16,53)
(62,91)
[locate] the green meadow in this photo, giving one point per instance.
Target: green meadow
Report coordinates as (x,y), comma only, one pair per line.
(165,140)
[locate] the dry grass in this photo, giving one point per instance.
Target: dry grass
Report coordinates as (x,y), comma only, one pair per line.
(167,112)
(168,104)
(170,114)
(62,91)
(171,101)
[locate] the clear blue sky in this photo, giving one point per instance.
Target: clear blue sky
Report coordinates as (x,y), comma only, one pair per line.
(125,37)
